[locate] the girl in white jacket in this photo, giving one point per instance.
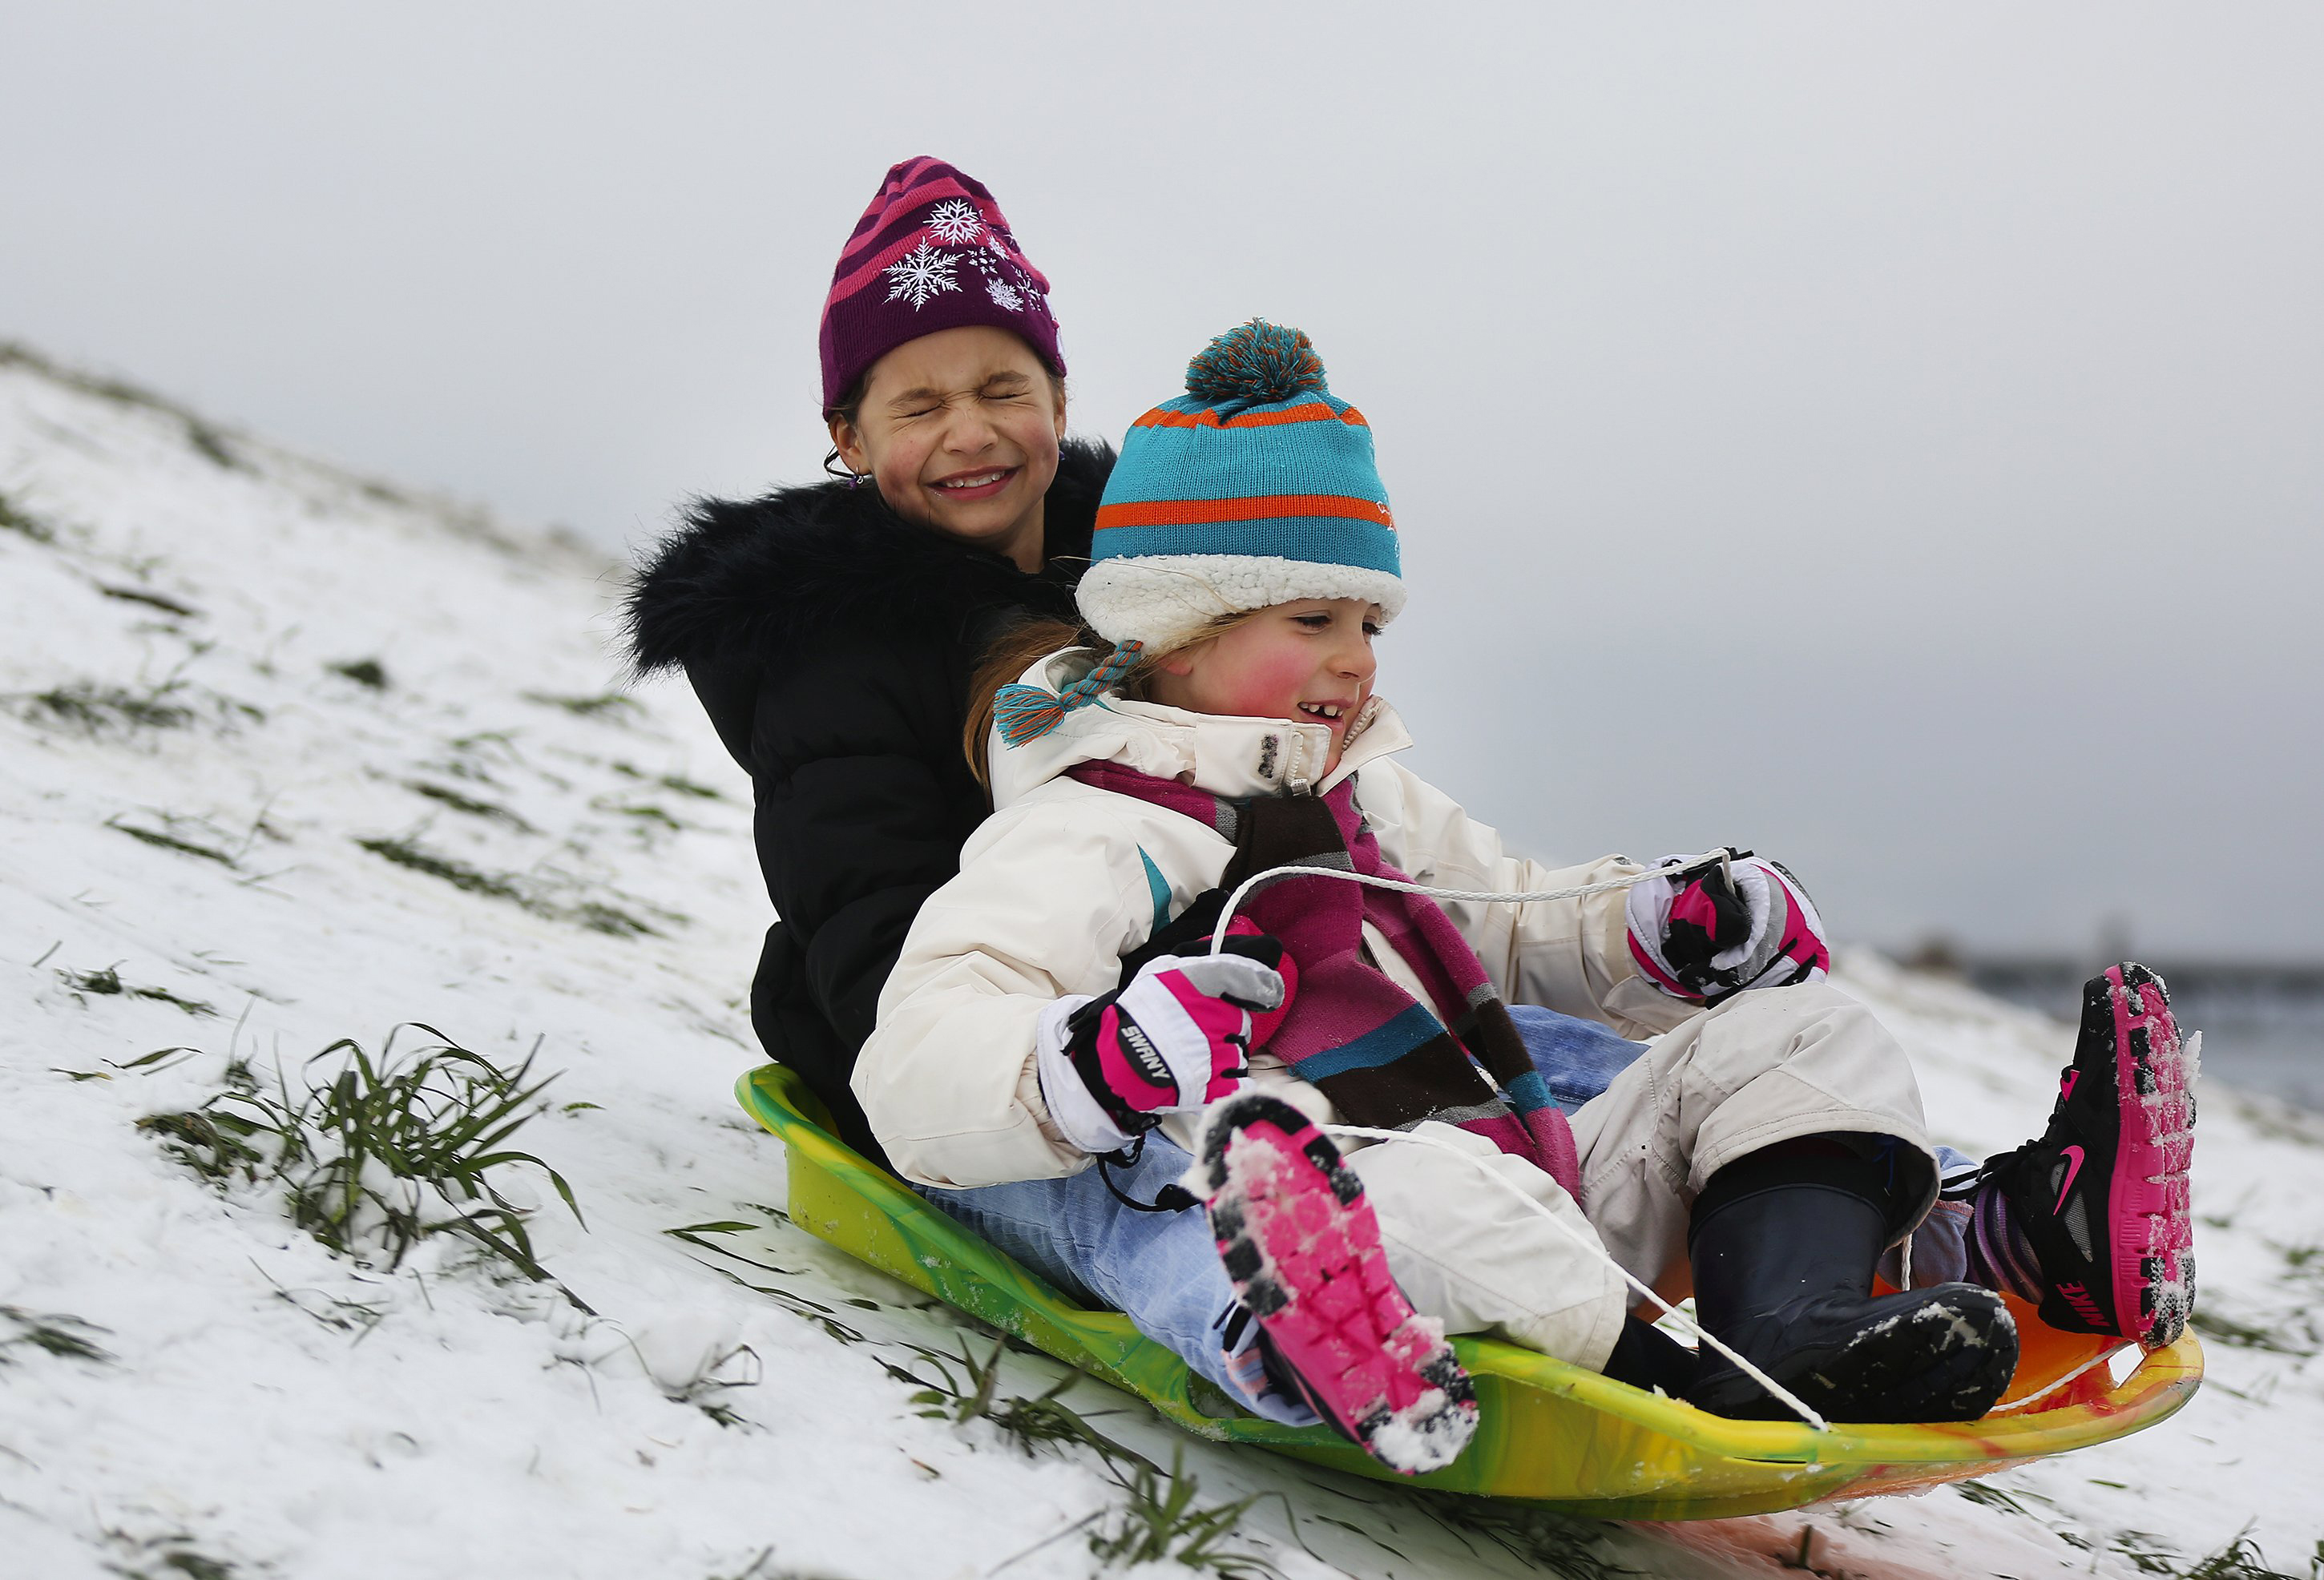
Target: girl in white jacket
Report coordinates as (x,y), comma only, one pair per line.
(1057,1005)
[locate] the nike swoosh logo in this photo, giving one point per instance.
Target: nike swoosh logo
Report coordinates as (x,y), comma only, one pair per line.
(2073,1167)
(2067,1089)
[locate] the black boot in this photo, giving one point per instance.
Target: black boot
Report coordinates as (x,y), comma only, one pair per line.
(1646,1358)
(1783,1246)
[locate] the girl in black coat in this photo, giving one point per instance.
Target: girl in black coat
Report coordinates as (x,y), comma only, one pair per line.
(831,631)
(832,642)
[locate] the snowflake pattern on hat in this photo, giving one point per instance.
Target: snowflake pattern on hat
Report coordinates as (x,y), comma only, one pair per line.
(922,273)
(927,272)
(955,223)
(1005,283)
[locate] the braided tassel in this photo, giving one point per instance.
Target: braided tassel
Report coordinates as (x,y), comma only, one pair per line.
(1027,713)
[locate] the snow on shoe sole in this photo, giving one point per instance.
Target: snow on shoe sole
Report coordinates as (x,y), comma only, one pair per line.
(1302,1249)
(1950,1358)
(2101,1198)
(2091,1218)
(1943,1353)
(2148,1215)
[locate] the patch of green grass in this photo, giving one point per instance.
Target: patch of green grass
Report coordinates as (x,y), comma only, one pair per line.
(972,1395)
(15,519)
(596,916)
(675,784)
(609,705)
(2239,1560)
(211,443)
(152,599)
(1992,1497)
(1159,1519)
(50,1332)
(172,1556)
(2148,1554)
(107,984)
(709,1381)
(2221,1329)
(217,1147)
(175,1561)
(164,840)
(462,803)
(762,1566)
(97,709)
(1555,1544)
(649,814)
(610,920)
(498,886)
(756,1570)
(375,1156)
(799,1305)
(469,754)
(336,1312)
(363,672)
(169,703)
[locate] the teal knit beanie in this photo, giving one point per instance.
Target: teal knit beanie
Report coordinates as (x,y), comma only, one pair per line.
(1256,487)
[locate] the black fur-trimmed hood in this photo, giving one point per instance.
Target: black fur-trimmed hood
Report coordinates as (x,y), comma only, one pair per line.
(748,580)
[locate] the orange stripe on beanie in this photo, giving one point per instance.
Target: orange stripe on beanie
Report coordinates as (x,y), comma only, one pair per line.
(1176,512)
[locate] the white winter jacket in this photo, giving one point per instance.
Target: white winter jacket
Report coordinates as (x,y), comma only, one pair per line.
(1064,880)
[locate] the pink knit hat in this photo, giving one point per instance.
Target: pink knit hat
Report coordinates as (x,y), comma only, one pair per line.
(932,252)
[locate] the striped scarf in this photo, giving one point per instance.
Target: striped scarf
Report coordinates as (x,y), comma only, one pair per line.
(1384,1058)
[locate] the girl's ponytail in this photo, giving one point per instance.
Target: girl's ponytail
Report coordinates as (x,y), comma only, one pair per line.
(1014,650)
(1011,654)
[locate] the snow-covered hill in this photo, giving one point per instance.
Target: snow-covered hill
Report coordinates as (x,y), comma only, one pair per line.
(288,757)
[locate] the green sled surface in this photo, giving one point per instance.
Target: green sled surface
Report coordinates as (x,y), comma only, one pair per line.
(1548,1433)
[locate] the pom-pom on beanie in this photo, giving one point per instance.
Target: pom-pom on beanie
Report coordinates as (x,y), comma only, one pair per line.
(933,252)
(1256,487)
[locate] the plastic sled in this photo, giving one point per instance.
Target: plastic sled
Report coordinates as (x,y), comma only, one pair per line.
(1550,1433)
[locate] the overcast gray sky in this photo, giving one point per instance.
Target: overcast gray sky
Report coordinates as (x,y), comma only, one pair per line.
(1892,436)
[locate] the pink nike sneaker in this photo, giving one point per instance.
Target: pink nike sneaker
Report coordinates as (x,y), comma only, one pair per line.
(1302,1249)
(2103,1237)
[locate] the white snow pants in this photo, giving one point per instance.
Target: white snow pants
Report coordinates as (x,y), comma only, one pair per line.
(1764,1067)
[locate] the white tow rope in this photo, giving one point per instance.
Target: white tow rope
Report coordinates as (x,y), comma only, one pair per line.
(1725,854)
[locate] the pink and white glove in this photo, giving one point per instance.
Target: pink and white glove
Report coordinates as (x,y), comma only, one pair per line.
(1176,1036)
(1698,936)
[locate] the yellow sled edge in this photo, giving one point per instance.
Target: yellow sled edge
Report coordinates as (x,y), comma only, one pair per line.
(1550,1432)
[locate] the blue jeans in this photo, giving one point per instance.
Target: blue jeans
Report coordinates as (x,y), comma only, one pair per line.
(1162,1270)
(1159,1268)
(1578,1059)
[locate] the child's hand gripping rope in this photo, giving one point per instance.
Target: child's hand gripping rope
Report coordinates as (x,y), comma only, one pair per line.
(1722,924)
(1176,1037)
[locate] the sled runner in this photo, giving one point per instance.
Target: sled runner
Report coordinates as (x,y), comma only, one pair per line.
(1550,1432)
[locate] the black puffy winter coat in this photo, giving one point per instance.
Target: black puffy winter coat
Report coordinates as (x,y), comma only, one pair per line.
(831,643)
